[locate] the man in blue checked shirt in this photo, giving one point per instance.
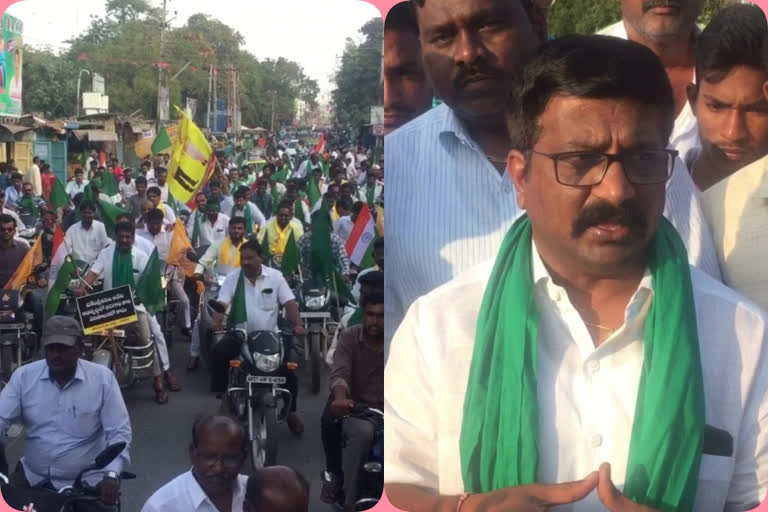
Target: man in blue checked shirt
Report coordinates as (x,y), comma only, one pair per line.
(72,409)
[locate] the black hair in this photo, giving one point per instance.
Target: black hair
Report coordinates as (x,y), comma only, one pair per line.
(141,180)
(87,204)
(204,420)
(285,204)
(124,214)
(378,244)
(596,67)
(155,215)
(154,191)
(252,244)
(236,220)
(79,170)
(357,207)
(241,192)
(401,17)
(125,226)
(373,279)
(5,219)
(372,298)
(344,203)
(255,486)
(736,36)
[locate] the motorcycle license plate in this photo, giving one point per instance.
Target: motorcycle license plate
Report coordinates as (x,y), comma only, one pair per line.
(258,379)
(12,327)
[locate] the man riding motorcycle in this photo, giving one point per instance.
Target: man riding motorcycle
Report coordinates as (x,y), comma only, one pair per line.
(266,291)
(71,408)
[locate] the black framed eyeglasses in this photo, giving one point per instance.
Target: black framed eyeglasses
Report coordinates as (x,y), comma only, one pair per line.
(588,168)
(210,459)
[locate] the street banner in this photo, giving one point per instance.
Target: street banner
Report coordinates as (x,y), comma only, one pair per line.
(11,50)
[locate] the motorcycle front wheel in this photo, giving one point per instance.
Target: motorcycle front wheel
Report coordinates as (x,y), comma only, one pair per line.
(7,356)
(315,361)
(263,446)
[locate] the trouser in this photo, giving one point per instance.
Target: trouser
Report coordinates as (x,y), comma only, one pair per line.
(141,328)
(194,347)
(177,292)
(161,347)
(229,348)
(19,480)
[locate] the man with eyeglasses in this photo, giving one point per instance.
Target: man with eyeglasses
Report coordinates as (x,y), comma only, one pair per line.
(589,365)
(12,251)
(214,484)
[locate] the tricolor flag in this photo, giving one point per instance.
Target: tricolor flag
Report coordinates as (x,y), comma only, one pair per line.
(362,236)
(62,267)
(320,148)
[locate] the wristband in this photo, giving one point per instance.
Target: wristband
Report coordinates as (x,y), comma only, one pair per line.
(461,501)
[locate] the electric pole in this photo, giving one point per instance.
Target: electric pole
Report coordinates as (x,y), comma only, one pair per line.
(162,95)
(210,90)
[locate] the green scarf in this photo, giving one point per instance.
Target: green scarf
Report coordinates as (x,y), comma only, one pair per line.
(370,194)
(248,218)
(499,435)
(28,203)
(275,199)
(122,269)
(298,211)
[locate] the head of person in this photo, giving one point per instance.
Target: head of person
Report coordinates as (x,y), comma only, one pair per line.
(125,233)
(660,21)
(94,166)
(355,210)
(284,213)
(95,185)
(7,228)
(146,165)
(27,190)
(127,174)
(212,209)
(36,160)
(87,212)
(16,180)
(330,199)
(343,206)
(727,98)
(370,178)
(314,157)
(2,199)
(236,229)
(124,217)
(161,173)
(216,194)
(234,175)
(166,158)
(291,193)
(261,186)
(201,200)
(472,50)
(217,452)
(45,168)
(339,177)
(378,252)
(79,175)
(407,93)
(317,174)
(268,171)
(373,316)
(277,489)
(224,180)
(146,207)
(141,185)
(154,194)
(371,283)
(241,198)
(154,221)
(250,258)
(346,189)
(62,343)
(579,99)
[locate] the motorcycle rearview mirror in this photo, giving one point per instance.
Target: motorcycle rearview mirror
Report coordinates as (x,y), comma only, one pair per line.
(109,454)
(217,306)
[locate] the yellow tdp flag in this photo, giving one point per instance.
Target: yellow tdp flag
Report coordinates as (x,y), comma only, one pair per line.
(180,244)
(186,170)
(33,258)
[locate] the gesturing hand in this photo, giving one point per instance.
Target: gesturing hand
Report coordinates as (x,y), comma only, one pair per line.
(612,498)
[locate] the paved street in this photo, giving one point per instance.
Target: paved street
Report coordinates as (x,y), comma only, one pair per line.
(161,434)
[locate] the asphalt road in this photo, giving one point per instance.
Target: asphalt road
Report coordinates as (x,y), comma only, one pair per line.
(162,433)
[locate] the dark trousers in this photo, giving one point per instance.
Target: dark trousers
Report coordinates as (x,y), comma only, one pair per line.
(229,348)
(19,480)
(330,431)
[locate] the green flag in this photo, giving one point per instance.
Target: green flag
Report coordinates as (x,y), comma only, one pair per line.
(281,175)
(356,318)
(266,252)
(290,263)
(313,192)
(161,142)
(109,184)
(298,211)
(275,199)
(109,213)
(238,313)
(323,264)
(368,261)
(59,197)
(63,277)
(149,289)
(172,203)
(88,193)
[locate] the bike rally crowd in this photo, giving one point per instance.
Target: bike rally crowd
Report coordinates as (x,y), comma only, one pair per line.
(275,263)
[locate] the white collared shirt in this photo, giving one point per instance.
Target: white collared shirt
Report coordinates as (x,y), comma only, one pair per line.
(685,133)
(587,394)
(263,299)
(449,209)
(209,233)
(256,216)
(162,241)
(74,188)
(184,494)
(87,243)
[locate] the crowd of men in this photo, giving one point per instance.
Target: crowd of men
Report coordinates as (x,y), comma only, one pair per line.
(576,302)
(239,213)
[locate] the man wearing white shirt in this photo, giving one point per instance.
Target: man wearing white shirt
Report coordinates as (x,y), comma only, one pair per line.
(253,216)
(128,185)
(161,177)
(351,170)
(214,227)
(153,194)
(87,238)
(77,186)
(670,32)
(455,154)
(33,176)
(589,340)
(307,166)
(217,452)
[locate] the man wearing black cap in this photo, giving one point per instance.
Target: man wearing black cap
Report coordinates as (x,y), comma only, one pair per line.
(71,408)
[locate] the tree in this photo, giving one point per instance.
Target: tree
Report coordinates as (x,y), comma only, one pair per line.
(582,16)
(358,78)
(50,83)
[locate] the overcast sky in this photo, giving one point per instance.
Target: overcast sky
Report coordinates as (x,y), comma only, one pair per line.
(310,32)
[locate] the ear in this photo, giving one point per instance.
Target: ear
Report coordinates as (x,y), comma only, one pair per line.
(692,90)
(765,89)
(516,167)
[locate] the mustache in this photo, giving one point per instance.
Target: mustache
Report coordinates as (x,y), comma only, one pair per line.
(478,71)
(652,4)
(627,214)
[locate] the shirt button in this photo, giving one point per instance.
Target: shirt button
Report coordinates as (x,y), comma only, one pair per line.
(597,440)
(593,366)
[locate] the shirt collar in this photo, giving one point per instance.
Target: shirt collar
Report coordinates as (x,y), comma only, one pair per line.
(79,373)
(197,495)
(450,127)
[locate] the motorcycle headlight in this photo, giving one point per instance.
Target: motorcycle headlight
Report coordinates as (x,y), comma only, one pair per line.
(315,302)
(266,364)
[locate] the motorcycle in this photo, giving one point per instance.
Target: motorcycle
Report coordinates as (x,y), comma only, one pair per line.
(315,306)
(254,391)
(209,333)
(18,341)
(66,499)
(371,479)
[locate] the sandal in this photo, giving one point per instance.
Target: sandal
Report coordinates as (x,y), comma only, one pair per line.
(173,384)
(161,397)
(295,425)
(192,365)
